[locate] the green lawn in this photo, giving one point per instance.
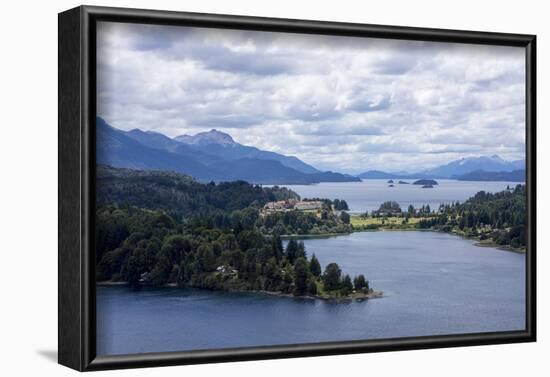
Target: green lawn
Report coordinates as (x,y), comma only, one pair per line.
(365,221)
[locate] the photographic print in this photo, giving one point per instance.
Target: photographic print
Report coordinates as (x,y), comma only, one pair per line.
(261,188)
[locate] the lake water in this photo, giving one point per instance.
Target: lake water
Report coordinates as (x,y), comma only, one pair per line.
(369,194)
(434,283)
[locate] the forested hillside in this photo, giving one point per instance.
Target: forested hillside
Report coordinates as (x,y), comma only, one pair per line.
(500,217)
(179,195)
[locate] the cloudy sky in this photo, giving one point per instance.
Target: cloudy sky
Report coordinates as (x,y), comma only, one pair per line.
(338,103)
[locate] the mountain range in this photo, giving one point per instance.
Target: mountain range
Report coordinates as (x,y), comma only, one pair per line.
(207,156)
(485,167)
(507,176)
(215,156)
(469,164)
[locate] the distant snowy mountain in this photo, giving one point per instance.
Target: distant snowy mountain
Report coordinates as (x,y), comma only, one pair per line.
(455,169)
(470,164)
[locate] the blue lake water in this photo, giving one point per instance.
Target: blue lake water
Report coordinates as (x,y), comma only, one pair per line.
(369,194)
(434,284)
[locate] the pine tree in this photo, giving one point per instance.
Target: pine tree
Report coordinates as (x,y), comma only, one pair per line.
(359,282)
(331,277)
(277,247)
(291,251)
(347,285)
(312,288)
(301,276)
(315,266)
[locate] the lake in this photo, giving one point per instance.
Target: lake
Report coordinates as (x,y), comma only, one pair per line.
(434,283)
(369,194)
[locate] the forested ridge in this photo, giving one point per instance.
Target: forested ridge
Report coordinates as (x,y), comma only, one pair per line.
(492,218)
(179,195)
(500,217)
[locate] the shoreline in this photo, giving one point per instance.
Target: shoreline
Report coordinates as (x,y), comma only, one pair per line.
(477,241)
(304,236)
(352,297)
(357,296)
(109,283)
(493,245)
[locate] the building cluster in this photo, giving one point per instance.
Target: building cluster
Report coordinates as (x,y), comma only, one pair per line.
(291,205)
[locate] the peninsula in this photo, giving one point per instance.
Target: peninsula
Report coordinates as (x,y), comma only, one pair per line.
(151,232)
(492,219)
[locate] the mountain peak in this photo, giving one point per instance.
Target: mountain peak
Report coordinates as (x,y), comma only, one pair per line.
(484,157)
(493,163)
(209,137)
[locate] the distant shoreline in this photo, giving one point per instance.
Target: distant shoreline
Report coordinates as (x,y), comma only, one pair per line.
(477,242)
(313,236)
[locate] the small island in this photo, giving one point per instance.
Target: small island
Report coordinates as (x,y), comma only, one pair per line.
(403,183)
(390,181)
(425,182)
(427,186)
(391,185)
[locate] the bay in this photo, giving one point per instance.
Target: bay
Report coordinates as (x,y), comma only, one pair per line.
(433,283)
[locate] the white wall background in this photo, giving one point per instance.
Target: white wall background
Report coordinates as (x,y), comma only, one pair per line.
(28,186)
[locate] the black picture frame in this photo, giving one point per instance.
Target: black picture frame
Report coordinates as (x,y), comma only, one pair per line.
(76,119)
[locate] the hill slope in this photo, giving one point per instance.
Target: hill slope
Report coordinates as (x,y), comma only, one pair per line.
(178,194)
(203,159)
(222,145)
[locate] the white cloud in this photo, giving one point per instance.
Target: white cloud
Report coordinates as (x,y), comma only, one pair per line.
(339,103)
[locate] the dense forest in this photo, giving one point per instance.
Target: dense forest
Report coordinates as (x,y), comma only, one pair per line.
(180,196)
(221,205)
(304,223)
(500,217)
(158,228)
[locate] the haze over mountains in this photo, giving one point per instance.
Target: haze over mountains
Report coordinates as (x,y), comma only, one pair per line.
(207,156)
(488,168)
(215,156)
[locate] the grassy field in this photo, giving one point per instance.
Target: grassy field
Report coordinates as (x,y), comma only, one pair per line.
(358,221)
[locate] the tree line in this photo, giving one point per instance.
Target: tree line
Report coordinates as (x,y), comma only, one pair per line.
(501,217)
(498,217)
(142,246)
(180,196)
